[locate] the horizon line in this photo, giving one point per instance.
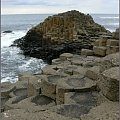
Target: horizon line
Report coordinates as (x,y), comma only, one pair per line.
(48,13)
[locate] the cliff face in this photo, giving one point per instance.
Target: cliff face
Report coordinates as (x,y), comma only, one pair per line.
(65,32)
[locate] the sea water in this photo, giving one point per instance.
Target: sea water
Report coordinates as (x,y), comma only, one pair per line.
(12,60)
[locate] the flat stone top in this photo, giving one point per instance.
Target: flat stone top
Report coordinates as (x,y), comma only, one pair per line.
(84,98)
(71,110)
(55,78)
(85,50)
(76,82)
(112,73)
(67,55)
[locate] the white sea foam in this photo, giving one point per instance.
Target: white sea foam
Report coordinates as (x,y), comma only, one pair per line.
(8,38)
(32,64)
(10,79)
(13,63)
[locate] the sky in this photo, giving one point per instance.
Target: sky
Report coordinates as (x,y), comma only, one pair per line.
(58,6)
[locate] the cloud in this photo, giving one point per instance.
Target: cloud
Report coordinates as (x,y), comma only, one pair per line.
(55,6)
(37,2)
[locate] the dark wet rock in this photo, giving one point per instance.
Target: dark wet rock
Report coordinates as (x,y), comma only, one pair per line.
(7,31)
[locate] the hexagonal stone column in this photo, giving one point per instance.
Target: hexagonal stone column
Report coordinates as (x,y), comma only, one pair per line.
(73,84)
(49,85)
(65,56)
(109,83)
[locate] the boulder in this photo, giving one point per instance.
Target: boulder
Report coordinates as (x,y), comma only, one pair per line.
(109,83)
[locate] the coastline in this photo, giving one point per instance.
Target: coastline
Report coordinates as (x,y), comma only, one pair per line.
(76,85)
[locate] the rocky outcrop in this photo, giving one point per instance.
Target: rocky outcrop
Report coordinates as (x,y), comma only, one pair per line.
(7,31)
(116,34)
(65,32)
(74,87)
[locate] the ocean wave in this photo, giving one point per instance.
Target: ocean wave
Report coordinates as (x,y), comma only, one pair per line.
(109,17)
(111,24)
(8,38)
(32,65)
(10,79)
(12,62)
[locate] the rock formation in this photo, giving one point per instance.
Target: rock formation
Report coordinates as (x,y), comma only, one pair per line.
(74,87)
(65,32)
